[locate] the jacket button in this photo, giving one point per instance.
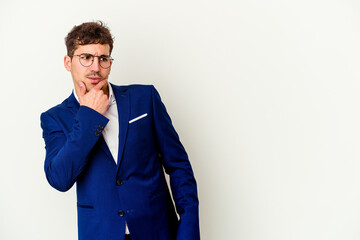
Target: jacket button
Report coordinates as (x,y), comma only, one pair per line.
(121,213)
(119,182)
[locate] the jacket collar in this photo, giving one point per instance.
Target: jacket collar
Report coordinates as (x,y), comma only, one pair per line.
(71,102)
(123,105)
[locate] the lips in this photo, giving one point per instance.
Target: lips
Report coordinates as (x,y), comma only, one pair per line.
(94,80)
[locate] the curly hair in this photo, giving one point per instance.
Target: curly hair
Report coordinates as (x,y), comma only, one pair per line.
(88,33)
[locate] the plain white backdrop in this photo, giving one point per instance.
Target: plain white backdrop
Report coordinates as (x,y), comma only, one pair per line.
(264,95)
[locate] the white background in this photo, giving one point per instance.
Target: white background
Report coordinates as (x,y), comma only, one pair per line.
(264,95)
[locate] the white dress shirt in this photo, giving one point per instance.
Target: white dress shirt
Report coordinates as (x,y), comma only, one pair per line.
(111,131)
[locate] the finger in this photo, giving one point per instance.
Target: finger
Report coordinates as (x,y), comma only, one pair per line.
(82,89)
(100,85)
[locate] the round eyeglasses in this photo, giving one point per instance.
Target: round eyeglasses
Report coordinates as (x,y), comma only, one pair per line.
(87,60)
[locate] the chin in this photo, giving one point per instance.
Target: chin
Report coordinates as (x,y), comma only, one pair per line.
(89,86)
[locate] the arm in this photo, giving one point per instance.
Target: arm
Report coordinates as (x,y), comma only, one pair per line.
(177,165)
(66,155)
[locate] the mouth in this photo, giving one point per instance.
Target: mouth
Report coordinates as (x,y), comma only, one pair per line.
(94,80)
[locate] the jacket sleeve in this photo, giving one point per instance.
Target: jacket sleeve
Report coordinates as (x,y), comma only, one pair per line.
(67,154)
(177,166)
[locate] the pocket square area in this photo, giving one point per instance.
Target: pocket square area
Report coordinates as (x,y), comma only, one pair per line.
(138,118)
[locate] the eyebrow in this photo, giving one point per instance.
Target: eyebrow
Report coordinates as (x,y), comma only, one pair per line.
(103,55)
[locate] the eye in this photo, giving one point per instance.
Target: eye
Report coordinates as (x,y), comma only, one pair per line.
(104,59)
(86,56)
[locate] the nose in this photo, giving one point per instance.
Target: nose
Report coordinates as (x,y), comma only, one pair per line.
(95,66)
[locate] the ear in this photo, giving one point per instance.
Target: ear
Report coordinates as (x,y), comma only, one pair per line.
(67,63)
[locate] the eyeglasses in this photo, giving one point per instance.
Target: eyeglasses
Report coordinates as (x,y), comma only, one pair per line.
(87,60)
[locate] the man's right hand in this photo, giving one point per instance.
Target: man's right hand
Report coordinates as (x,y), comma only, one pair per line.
(95,98)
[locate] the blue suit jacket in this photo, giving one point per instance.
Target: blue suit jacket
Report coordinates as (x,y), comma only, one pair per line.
(134,190)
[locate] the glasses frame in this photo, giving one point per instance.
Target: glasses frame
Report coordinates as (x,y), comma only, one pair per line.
(90,55)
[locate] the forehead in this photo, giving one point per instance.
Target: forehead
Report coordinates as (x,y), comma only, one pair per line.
(94,49)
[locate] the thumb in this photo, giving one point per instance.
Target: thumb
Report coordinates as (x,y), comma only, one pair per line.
(82,89)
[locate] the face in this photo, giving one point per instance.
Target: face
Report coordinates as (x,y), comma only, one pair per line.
(91,75)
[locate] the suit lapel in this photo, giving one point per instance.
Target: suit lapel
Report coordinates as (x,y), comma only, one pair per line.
(123,106)
(72,103)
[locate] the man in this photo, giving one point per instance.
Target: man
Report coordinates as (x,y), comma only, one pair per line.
(114,142)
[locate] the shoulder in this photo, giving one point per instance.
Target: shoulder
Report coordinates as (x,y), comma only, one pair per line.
(134,87)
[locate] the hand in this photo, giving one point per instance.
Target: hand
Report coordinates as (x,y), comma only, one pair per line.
(95,98)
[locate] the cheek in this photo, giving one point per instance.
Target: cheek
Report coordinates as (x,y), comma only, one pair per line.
(106,72)
(78,75)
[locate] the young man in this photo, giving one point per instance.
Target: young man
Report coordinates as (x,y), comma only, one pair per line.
(114,142)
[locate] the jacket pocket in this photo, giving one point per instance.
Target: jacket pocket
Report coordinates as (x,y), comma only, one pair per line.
(85,206)
(139,121)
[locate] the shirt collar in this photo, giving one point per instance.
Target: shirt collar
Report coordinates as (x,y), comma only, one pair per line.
(112,99)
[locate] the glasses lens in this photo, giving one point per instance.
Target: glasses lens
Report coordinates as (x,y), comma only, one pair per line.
(86,59)
(104,62)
